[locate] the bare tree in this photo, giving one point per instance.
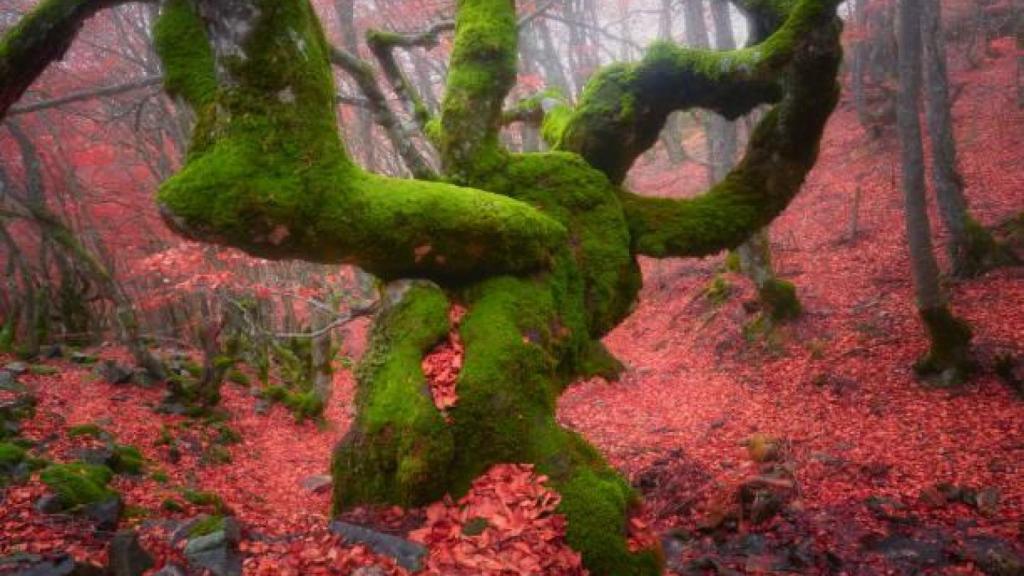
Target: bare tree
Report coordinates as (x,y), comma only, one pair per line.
(949,352)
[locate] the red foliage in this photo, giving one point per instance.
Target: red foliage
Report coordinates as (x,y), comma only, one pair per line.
(505,525)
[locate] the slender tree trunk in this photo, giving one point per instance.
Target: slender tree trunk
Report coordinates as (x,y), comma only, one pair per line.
(971,247)
(950,336)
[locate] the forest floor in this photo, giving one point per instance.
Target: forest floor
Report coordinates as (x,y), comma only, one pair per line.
(819,429)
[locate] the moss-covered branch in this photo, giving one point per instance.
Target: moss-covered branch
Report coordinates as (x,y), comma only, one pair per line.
(624,107)
(39,39)
(267,171)
(781,152)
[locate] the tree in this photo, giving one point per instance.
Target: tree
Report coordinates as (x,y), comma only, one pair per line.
(949,353)
(972,249)
(540,249)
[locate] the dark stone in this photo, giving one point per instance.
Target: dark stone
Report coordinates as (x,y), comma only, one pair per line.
(170,570)
(49,504)
(36,565)
(765,506)
(987,501)
(126,556)
(175,408)
(103,456)
(409,555)
(924,549)
(105,514)
(114,373)
(180,532)
(993,556)
(9,383)
(261,407)
(141,377)
(215,552)
(51,351)
(316,484)
(17,368)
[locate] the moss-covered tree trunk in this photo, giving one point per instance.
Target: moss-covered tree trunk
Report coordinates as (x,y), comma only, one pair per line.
(539,249)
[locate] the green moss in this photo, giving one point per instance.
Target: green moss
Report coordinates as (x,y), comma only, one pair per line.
(179,37)
(10,455)
(399,448)
(718,291)
(598,361)
(203,498)
(90,429)
(206,526)
(780,300)
(172,505)
(78,484)
(7,334)
(216,455)
(127,460)
(43,370)
(238,377)
(160,477)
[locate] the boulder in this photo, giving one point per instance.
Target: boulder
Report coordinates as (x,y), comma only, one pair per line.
(316,484)
(408,555)
(9,383)
(114,373)
(105,513)
(82,358)
(170,570)
(50,565)
(215,552)
(17,368)
(126,557)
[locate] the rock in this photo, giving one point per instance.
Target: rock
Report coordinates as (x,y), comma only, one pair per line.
(409,555)
(316,484)
(180,532)
(51,351)
(114,373)
(36,565)
(993,556)
(49,504)
(175,408)
(987,501)
(215,552)
(170,570)
(126,557)
(82,358)
(106,514)
(261,407)
(765,506)
(9,383)
(142,378)
(102,456)
(369,571)
(17,368)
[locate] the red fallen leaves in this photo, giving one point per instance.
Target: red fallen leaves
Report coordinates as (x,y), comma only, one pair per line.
(505,525)
(441,366)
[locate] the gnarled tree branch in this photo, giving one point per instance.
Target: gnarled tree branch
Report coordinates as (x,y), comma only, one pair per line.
(39,39)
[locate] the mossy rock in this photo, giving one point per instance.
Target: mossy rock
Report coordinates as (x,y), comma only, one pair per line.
(206,526)
(43,369)
(78,484)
